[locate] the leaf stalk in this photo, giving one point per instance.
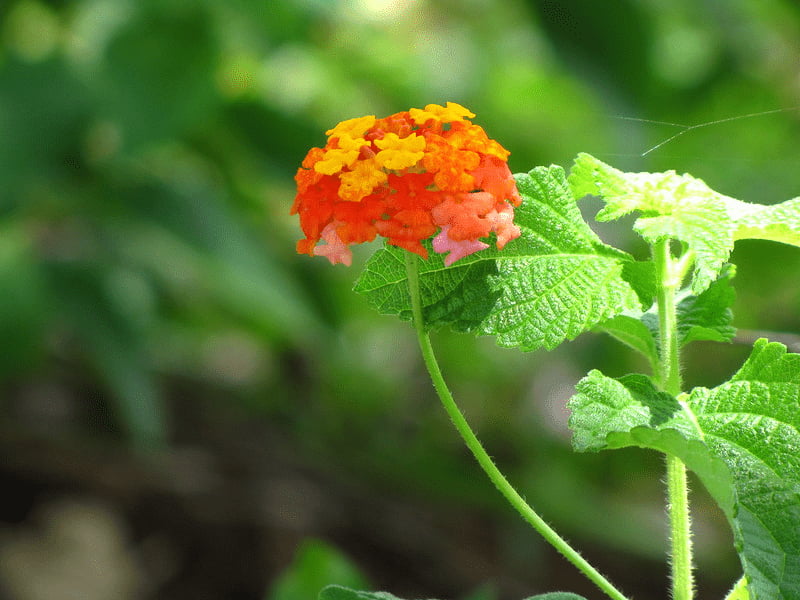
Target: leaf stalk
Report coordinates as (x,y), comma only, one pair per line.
(477,449)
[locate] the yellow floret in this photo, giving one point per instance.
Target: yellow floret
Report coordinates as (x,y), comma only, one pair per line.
(335,160)
(352,128)
(365,176)
(400,153)
(449,114)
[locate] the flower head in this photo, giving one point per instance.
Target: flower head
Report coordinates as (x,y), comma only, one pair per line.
(406,177)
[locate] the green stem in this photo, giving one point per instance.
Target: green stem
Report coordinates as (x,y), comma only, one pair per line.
(669,374)
(680,527)
(484,460)
(670,276)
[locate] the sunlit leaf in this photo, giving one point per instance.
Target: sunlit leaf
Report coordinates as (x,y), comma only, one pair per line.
(673,206)
(777,222)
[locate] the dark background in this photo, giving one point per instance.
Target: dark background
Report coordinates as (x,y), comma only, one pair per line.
(189,408)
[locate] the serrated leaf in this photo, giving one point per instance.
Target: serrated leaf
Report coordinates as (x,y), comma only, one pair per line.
(777,222)
(545,302)
(672,206)
(592,177)
(739,591)
(741,438)
(557,596)
(338,592)
(708,317)
(634,333)
(460,295)
(335,592)
(549,285)
(753,423)
(563,280)
(603,406)
(551,217)
(641,275)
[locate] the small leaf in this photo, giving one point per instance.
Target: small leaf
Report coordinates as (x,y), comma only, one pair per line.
(673,206)
(603,406)
(741,439)
(592,177)
(641,275)
(545,302)
(634,333)
(708,317)
(337,592)
(460,295)
(549,285)
(557,596)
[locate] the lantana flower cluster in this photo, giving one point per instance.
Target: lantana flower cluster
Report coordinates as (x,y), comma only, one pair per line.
(407,177)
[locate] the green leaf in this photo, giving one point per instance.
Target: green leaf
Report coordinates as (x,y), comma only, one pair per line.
(753,423)
(741,439)
(549,285)
(673,206)
(604,406)
(335,592)
(557,596)
(777,223)
(460,295)
(641,275)
(708,317)
(315,565)
(634,333)
(739,591)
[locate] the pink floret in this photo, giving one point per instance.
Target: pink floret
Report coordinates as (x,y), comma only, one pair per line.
(503,225)
(335,250)
(457,249)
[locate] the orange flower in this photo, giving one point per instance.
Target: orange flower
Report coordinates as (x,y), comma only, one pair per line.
(406,177)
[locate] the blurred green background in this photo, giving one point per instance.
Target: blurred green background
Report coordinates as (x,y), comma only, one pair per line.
(191,410)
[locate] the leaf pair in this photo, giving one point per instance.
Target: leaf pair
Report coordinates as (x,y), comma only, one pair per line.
(741,439)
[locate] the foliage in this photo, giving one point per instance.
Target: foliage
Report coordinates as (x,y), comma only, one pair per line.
(335,592)
(558,280)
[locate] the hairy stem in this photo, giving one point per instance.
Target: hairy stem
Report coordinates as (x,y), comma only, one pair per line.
(670,275)
(669,373)
(480,454)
